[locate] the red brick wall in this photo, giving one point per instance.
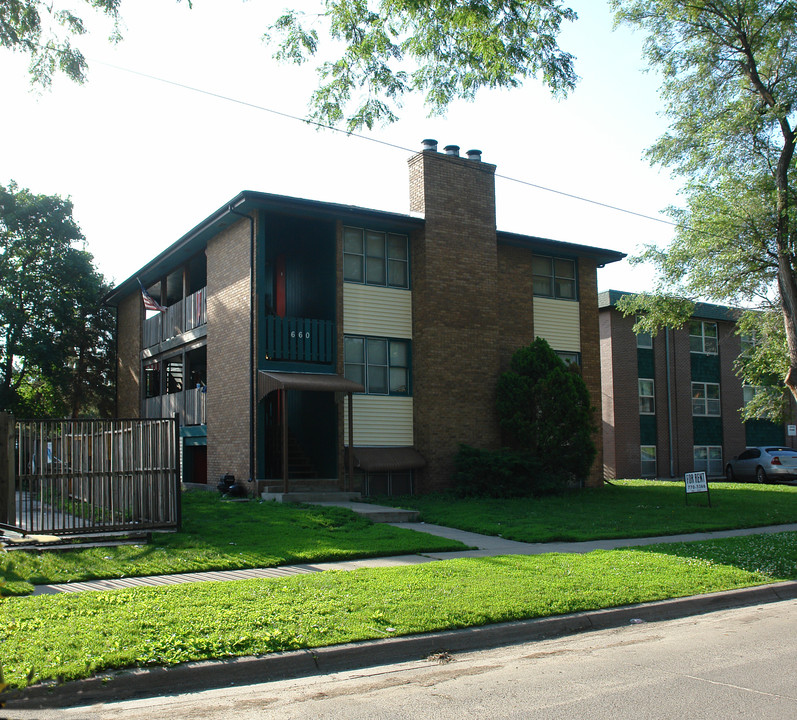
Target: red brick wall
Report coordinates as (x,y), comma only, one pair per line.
(228,307)
(731,393)
(620,391)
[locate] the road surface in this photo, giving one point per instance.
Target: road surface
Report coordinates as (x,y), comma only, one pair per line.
(739,663)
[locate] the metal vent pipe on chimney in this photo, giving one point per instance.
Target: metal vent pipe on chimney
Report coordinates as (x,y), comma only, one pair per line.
(430,145)
(452,150)
(475,155)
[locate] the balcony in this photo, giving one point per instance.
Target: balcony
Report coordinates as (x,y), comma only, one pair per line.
(300,340)
(185,315)
(189,403)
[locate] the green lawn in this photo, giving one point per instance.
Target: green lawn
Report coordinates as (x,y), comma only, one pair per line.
(73,636)
(627,508)
(221,535)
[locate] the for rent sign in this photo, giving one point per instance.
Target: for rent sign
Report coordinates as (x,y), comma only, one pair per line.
(695,482)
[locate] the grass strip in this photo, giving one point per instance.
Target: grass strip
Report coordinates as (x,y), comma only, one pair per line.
(68,637)
(221,535)
(625,509)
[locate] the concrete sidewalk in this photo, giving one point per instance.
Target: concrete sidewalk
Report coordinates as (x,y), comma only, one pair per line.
(483,546)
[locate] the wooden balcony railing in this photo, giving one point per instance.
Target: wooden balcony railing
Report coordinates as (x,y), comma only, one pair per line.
(189,403)
(187,314)
(300,339)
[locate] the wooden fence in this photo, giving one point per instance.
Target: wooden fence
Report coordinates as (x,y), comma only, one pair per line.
(72,477)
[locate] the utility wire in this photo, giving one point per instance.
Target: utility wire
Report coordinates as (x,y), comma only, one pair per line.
(350,133)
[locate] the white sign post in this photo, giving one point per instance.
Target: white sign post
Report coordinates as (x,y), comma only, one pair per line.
(696,482)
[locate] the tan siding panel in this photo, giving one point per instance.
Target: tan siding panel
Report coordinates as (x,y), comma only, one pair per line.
(381,421)
(558,322)
(378,311)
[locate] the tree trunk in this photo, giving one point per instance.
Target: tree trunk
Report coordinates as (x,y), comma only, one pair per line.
(787,283)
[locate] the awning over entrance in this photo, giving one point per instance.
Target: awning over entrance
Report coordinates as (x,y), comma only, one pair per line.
(268,382)
(387,459)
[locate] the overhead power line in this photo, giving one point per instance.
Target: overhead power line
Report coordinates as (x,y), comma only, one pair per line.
(359,136)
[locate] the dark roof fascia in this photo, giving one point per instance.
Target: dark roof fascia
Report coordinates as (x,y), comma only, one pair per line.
(702,311)
(245,202)
(559,247)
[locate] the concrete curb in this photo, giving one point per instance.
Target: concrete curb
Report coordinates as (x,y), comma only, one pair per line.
(191,677)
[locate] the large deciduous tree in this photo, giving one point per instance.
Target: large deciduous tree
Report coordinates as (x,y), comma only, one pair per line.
(444,49)
(56,338)
(374,51)
(728,73)
(44,31)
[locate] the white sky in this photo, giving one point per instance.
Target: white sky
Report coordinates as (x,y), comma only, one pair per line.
(144,161)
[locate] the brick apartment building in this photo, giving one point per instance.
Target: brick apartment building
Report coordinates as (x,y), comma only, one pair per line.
(671,402)
(296,331)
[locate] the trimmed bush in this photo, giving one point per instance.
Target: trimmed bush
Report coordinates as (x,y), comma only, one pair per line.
(547,421)
(501,474)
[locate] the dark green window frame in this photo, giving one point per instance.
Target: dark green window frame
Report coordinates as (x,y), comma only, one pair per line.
(382,365)
(555,277)
(373,257)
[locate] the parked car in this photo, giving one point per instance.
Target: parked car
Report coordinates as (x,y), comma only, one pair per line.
(763,464)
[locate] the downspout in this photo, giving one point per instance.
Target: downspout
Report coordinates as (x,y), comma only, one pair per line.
(252,304)
(669,400)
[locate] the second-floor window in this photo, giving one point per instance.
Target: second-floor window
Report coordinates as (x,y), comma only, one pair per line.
(375,258)
(554,277)
(381,365)
(703,337)
(647,400)
(705,399)
(643,339)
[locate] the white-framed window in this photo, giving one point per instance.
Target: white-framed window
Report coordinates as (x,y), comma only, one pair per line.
(708,459)
(748,343)
(647,399)
(554,277)
(375,258)
(703,337)
(748,393)
(647,460)
(644,340)
(705,399)
(381,365)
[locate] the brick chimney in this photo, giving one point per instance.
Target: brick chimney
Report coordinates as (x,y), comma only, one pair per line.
(455,307)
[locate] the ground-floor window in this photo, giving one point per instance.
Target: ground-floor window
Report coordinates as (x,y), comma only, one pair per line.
(708,459)
(387,483)
(647,460)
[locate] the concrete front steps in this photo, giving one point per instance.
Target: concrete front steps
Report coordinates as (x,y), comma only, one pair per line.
(325,492)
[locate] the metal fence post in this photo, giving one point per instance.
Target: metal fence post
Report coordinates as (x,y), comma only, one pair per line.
(8,490)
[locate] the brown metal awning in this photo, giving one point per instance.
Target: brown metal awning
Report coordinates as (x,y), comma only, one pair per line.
(268,382)
(387,459)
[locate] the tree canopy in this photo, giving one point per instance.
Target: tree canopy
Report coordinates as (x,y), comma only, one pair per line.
(728,73)
(374,51)
(56,338)
(382,50)
(44,31)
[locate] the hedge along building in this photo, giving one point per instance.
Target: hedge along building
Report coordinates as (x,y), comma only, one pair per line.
(671,402)
(306,342)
